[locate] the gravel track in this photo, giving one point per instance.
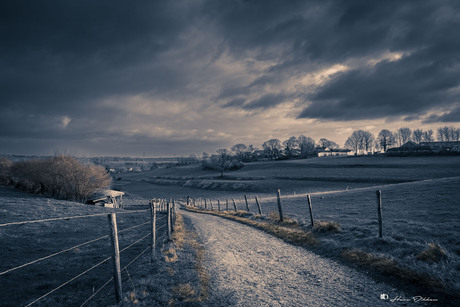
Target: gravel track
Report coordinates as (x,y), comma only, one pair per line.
(251,268)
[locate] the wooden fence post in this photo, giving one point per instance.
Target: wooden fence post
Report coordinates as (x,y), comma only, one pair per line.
(173,212)
(188,201)
(246,200)
(311,211)
(379,211)
(210,203)
(258,206)
(278,196)
(168,220)
(205,205)
(115,256)
(226,205)
(234,205)
(218,205)
(153,223)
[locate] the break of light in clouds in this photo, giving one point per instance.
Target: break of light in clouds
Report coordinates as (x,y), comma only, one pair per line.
(182,77)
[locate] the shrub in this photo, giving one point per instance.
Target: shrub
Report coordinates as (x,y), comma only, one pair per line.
(60,176)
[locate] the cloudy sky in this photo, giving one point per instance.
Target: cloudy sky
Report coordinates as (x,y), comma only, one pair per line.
(179,77)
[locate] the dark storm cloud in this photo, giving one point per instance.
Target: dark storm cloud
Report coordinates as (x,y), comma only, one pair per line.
(330,32)
(57,53)
(72,70)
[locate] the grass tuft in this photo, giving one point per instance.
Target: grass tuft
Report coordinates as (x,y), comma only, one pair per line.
(391,267)
(326,227)
(433,254)
(184,292)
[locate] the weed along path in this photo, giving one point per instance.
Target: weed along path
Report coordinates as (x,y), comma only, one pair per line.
(251,268)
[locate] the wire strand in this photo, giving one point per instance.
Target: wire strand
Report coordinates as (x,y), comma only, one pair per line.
(67,218)
(52,255)
(69,281)
(95,293)
(134,243)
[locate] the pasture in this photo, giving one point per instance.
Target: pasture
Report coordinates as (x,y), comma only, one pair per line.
(420,198)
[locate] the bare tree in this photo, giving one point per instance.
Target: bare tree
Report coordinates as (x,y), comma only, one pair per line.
(428,136)
(272,148)
(355,141)
(417,135)
(448,134)
(403,135)
(291,147)
(456,134)
(368,140)
(222,160)
(386,139)
(360,140)
(325,143)
(239,151)
(306,146)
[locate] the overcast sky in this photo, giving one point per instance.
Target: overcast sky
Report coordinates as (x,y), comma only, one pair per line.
(181,77)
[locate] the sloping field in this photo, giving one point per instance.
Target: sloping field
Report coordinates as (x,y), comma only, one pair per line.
(420,197)
(415,215)
(27,243)
(297,176)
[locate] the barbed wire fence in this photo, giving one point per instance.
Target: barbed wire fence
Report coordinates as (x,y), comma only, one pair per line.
(161,220)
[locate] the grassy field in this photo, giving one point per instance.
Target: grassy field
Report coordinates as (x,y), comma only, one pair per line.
(24,243)
(421,204)
(420,196)
(293,176)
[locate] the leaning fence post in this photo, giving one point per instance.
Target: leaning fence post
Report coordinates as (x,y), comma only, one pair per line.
(379,211)
(115,256)
(153,215)
(246,200)
(234,205)
(168,220)
(311,211)
(278,196)
(258,206)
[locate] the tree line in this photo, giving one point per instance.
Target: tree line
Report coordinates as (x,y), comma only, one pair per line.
(360,141)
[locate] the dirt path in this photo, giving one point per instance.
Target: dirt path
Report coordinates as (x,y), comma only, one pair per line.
(251,268)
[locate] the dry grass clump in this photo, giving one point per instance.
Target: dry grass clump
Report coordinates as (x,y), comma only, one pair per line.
(184,292)
(326,227)
(391,267)
(433,254)
(275,218)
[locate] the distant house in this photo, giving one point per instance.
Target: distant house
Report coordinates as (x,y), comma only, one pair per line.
(327,152)
(453,146)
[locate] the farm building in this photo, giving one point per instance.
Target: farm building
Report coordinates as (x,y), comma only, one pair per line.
(326,152)
(107,198)
(426,148)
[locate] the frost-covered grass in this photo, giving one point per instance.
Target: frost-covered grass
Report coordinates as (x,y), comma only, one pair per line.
(21,244)
(420,241)
(420,198)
